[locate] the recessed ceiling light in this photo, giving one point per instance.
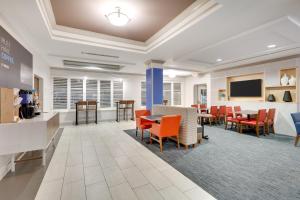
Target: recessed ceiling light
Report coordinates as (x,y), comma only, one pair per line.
(219,60)
(271,46)
(117,18)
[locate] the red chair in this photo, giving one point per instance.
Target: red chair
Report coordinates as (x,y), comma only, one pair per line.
(256,123)
(203,108)
(168,127)
(270,120)
(222,113)
(196,106)
(237,109)
(214,113)
(142,124)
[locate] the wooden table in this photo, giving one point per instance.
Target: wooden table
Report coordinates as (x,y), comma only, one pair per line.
(203,116)
(249,113)
(127,104)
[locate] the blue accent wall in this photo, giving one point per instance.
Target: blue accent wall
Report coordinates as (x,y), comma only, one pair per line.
(154,87)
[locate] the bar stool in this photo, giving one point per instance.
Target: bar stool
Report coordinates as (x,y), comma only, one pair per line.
(81,106)
(92,106)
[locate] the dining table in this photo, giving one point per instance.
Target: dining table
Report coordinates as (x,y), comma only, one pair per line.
(249,113)
(153,118)
(203,117)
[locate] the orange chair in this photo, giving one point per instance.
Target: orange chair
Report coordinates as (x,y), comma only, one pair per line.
(214,113)
(257,123)
(142,124)
(270,120)
(168,127)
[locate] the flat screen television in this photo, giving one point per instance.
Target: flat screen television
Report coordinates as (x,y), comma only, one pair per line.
(248,88)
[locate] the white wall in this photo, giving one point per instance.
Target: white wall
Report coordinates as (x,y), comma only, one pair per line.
(284,124)
(41,69)
(132,90)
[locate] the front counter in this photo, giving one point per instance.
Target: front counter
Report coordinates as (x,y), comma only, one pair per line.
(28,135)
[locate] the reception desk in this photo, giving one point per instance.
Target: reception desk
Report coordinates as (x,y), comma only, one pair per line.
(28,135)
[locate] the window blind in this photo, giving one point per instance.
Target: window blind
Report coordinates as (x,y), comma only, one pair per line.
(76,91)
(105,94)
(167,92)
(176,93)
(60,90)
(117,91)
(91,89)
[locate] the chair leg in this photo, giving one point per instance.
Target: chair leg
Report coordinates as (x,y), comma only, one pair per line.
(160,144)
(136,131)
(273,130)
(297,140)
(226,123)
(241,129)
(150,138)
(142,134)
(178,145)
(257,131)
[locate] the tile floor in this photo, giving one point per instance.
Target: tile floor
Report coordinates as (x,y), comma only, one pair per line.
(102,162)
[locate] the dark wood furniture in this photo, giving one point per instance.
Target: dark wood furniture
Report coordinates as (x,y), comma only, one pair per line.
(204,117)
(86,106)
(124,105)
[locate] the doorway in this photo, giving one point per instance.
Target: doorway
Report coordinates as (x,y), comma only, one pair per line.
(200,94)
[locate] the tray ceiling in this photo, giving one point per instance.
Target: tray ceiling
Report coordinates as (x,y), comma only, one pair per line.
(147,16)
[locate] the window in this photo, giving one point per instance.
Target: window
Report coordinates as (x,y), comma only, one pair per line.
(105,94)
(118,91)
(176,94)
(76,91)
(167,92)
(60,91)
(91,89)
(143,93)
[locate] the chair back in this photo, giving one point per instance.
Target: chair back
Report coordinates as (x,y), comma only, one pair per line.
(195,106)
(214,110)
(222,110)
(203,106)
(261,116)
(271,115)
(237,109)
(169,125)
(229,112)
(296,119)
(139,113)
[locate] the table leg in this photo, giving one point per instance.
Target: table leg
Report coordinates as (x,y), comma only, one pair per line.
(96,114)
(13,164)
(132,112)
(202,124)
(117,112)
(76,117)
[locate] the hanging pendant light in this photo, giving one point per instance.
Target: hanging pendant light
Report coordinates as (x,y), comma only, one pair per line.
(117,18)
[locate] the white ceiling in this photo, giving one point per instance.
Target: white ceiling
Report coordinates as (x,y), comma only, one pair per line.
(238,32)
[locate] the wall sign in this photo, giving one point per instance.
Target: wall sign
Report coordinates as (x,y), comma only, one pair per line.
(15,63)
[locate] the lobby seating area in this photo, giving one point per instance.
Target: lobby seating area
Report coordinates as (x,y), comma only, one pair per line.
(149,100)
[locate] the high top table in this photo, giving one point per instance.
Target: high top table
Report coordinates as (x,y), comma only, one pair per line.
(124,105)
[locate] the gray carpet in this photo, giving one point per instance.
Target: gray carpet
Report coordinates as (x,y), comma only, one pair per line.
(233,166)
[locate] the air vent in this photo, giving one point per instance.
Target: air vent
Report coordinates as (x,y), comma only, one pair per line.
(90,65)
(101,55)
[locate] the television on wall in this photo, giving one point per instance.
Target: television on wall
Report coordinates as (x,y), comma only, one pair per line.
(15,63)
(247,88)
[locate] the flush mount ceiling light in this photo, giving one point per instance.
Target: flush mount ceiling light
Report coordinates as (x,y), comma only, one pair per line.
(219,60)
(271,46)
(117,18)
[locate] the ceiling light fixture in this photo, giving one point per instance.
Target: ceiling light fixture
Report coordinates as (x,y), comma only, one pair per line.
(219,60)
(117,18)
(271,46)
